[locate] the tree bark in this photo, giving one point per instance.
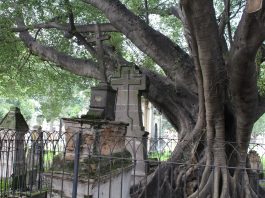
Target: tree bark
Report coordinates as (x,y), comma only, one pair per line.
(82,67)
(104,27)
(178,101)
(176,64)
(223,173)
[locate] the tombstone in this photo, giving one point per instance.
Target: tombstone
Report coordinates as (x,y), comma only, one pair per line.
(102,102)
(128,83)
(13,128)
(255,163)
(35,156)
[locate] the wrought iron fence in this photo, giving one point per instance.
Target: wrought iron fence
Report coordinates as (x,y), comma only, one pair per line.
(43,164)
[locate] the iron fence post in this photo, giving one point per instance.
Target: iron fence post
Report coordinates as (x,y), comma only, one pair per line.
(41,153)
(76,163)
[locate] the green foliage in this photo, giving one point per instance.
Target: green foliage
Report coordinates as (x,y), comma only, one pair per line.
(5,184)
(10,47)
(263,162)
(116,40)
(30,83)
(160,156)
(259,126)
(173,29)
(27,107)
(24,77)
(94,166)
(134,5)
(261,69)
(58,92)
(261,79)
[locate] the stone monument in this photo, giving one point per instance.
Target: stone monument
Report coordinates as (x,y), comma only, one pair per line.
(128,83)
(35,156)
(99,137)
(102,102)
(94,148)
(13,128)
(104,162)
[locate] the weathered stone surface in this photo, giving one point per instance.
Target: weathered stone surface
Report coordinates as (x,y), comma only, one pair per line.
(34,158)
(98,137)
(255,163)
(14,120)
(102,102)
(128,83)
(13,128)
(112,139)
(116,184)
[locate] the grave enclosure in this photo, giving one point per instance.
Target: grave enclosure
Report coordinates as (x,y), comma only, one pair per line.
(12,146)
(96,150)
(101,155)
(98,134)
(89,159)
(107,140)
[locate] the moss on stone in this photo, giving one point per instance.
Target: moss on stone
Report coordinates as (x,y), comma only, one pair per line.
(94,165)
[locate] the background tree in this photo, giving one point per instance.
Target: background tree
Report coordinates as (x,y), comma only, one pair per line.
(44,88)
(209,85)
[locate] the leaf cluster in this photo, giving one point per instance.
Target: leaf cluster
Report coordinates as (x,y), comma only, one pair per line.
(58,92)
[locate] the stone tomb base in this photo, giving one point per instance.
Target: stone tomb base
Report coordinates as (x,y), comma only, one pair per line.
(105,165)
(99,137)
(114,184)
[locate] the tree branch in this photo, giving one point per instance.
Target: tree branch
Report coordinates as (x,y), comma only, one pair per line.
(105,27)
(75,65)
(225,21)
(73,31)
(228,3)
(248,38)
(173,60)
(176,101)
(180,14)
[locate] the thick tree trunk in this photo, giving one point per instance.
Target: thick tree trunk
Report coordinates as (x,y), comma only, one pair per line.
(210,159)
(214,163)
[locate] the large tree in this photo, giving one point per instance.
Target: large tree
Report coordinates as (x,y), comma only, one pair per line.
(210,92)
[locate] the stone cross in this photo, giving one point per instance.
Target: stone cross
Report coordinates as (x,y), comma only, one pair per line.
(128,83)
(128,106)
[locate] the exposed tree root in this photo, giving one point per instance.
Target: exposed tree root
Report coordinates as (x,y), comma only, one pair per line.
(203,191)
(188,181)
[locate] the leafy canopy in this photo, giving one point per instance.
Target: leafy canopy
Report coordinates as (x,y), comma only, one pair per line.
(24,77)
